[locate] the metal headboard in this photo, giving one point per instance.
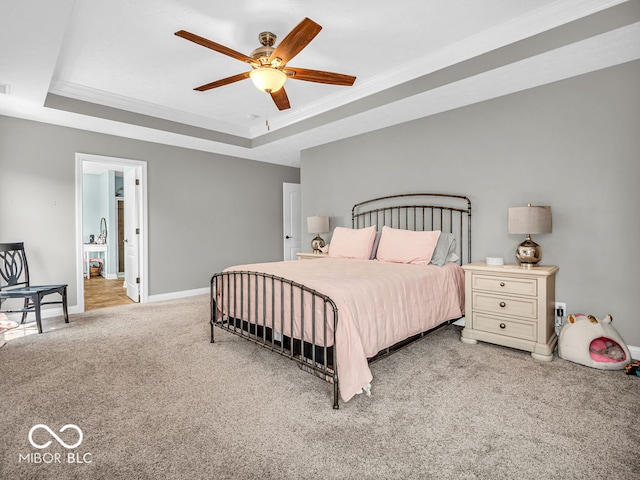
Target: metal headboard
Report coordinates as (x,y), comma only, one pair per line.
(420,212)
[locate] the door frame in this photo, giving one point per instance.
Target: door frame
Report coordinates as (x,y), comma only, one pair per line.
(144,222)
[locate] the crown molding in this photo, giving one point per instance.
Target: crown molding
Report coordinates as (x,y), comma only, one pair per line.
(100,97)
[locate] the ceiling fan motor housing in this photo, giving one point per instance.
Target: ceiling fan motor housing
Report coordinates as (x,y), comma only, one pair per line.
(262,54)
(267,39)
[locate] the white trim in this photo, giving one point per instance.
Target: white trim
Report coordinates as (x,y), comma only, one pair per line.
(144,222)
(112,100)
(634,351)
(161,297)
(79,241)
(44,313)
(73,309)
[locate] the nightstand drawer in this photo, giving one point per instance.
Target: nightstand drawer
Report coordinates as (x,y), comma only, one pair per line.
(500,284)
(511,328)
(505,305)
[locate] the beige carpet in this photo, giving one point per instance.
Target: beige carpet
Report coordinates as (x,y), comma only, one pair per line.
(154,399)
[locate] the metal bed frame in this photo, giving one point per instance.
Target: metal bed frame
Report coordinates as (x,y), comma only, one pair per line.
(451,214)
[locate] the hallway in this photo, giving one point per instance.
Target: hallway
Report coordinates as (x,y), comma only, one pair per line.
(100,292)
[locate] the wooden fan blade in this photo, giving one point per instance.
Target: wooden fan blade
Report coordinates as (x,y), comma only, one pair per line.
(319,76)
(215,46)
(280,99)
(297,39)
(222,82)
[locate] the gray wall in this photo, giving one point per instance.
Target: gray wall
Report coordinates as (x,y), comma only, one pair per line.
(94,203)
(573,145)
(206,211)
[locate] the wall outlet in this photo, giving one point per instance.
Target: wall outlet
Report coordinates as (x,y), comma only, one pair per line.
(560,314)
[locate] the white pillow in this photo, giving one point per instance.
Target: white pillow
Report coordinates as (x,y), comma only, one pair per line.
(407,246)
(350,243)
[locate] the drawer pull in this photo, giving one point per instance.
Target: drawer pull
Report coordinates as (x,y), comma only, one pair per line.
(502,304)
(503,326)
(502,284)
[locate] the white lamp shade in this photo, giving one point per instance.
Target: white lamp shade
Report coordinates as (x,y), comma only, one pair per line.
(318,224)
(529,220)
(268,79)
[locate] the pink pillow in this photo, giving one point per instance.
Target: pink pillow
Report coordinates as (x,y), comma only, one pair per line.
(350,243)
(406,246)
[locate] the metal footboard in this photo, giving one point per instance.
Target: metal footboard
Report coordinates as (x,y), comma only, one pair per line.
(281,315)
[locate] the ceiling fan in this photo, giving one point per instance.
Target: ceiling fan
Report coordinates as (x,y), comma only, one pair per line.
(269,63)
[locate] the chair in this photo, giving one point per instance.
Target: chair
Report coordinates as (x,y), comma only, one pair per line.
(14,283)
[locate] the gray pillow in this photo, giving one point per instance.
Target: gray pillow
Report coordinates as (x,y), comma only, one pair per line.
(445,251)
(374,250)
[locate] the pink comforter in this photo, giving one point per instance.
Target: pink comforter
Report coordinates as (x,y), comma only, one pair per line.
(379,304)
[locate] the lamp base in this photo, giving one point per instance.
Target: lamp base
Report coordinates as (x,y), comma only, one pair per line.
(528,253)
(317,243)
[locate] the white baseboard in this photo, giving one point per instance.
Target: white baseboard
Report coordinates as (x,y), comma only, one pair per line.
(175,295)
(45,312)
(57,311)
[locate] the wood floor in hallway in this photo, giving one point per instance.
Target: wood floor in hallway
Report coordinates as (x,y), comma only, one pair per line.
(100,292)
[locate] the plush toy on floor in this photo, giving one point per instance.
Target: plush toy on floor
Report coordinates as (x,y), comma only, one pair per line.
(632,368)
(595,343)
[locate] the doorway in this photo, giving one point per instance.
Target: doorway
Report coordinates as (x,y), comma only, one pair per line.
(101,180)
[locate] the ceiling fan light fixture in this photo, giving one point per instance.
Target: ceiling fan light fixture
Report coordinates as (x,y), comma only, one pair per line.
(268,79)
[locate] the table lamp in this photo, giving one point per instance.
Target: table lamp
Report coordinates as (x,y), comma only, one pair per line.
(528,220)
(318,224)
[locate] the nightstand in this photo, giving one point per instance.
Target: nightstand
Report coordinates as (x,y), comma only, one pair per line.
(310,255)
(512,306)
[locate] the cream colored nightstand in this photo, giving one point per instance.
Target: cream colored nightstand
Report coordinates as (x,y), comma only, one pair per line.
(511,306)
(310,255)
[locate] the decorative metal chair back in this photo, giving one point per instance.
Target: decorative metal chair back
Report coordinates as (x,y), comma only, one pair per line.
(14,270)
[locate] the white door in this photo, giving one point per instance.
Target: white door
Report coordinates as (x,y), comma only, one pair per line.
(292,230)
(131,233)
